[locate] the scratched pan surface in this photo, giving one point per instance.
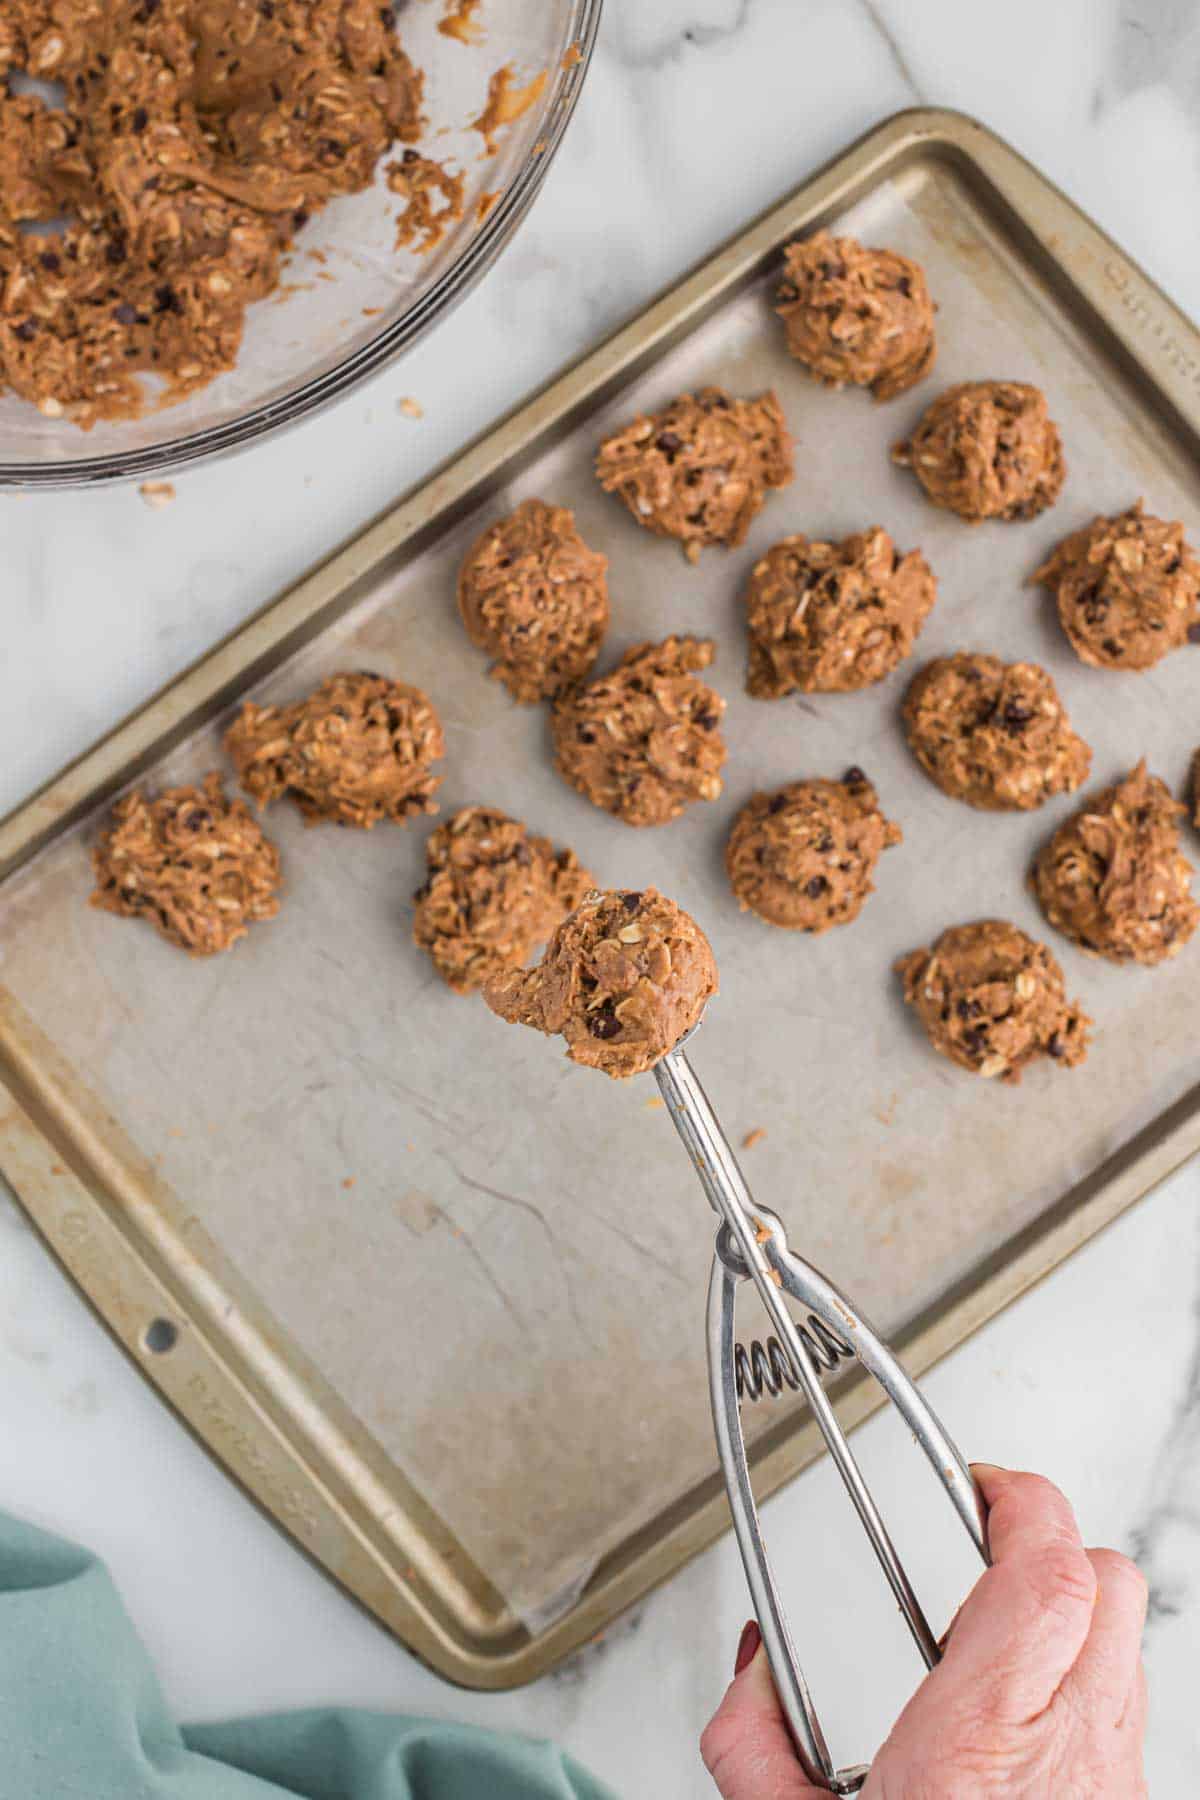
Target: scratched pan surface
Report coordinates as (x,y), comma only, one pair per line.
(435,1295)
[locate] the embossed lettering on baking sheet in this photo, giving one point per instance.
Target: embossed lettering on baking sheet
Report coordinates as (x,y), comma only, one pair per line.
(80,1249)
(74,1230)
(228,1437)
(1139,308)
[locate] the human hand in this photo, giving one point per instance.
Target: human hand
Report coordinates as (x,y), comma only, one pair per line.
(1040,1692)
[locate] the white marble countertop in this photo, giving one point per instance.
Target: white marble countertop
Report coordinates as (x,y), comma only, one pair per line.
(697,113)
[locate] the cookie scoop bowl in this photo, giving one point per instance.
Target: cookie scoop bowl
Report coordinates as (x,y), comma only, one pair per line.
(315,339)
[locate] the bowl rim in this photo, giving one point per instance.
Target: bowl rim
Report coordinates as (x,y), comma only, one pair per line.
(315,395)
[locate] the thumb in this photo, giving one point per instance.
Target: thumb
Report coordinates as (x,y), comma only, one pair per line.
(746,1746)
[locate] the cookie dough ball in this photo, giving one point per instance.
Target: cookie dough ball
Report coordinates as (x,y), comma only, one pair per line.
(857,315)
(534,596)
(1127,589)
(493,893)
(1113,877)
(699,470)
(645,741)
(992,1000)
(192,862)
(830,618)
(987,450)
(623,978)
(993,734)
(360,749)
(803,858)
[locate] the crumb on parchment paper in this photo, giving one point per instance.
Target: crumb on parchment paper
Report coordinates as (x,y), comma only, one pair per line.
(412,409)
(157,494)
(886,1113)
(754,1137)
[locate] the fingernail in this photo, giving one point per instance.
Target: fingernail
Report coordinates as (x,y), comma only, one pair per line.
(748,1644)
(982,1468)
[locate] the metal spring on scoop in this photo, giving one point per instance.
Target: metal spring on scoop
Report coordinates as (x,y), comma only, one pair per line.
(765,1367)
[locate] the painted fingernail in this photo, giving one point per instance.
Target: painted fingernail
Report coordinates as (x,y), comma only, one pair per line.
(748,1644)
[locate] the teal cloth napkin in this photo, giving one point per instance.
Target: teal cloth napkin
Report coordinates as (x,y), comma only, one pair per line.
(82,1717)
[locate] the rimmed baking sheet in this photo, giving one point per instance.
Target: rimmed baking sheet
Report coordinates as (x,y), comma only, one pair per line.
(437,1293)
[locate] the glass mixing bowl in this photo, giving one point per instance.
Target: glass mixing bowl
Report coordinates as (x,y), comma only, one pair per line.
(350,301)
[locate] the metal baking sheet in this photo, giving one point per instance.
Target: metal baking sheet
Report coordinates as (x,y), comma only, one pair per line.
(433,1294)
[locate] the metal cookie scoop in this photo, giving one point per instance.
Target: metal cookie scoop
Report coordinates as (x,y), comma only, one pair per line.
(752,1245)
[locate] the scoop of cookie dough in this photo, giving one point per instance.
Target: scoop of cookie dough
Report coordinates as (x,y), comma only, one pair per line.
(535,597)
(623,978)
(857,315)
(830,618)
(803,858)
(699,470)
(645,741)
(494,892)
(993,734)
(359,749)
(192,862)
(1113,877)
(993,999)
(987,450)
(1127,589)
(185,145)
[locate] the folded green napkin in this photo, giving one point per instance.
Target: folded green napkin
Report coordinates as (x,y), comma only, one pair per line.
(82,1717)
